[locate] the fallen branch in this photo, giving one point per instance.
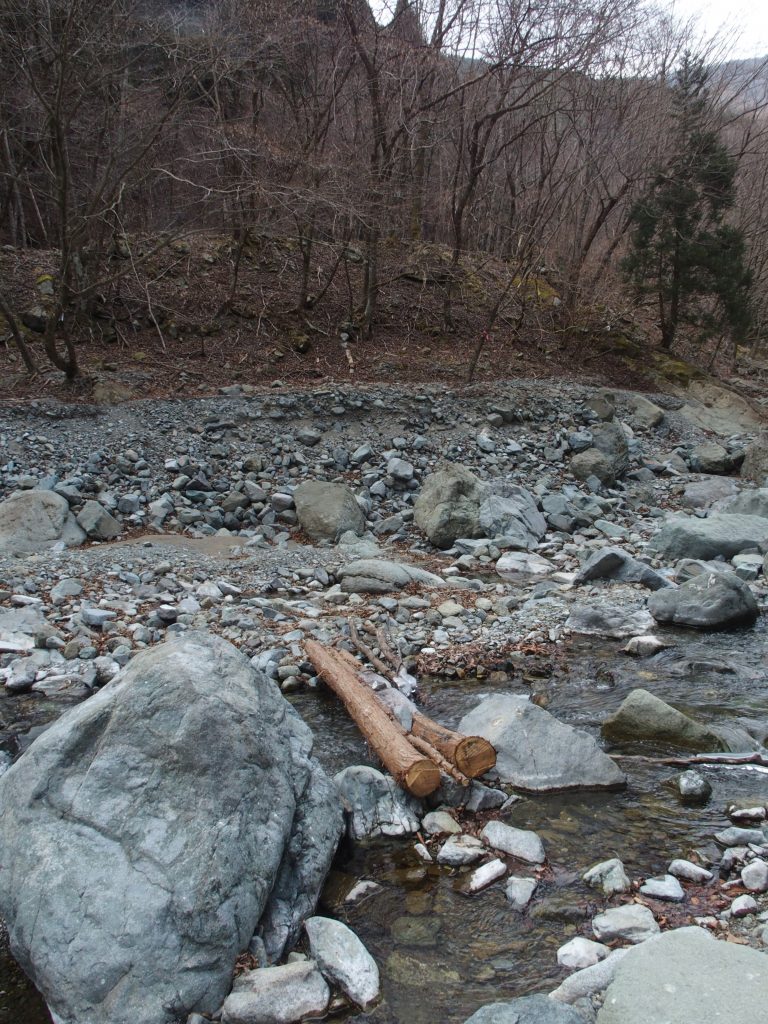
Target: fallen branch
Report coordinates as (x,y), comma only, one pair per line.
(417,774)
(711,759)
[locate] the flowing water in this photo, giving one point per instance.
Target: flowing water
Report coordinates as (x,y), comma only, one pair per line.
(443,954)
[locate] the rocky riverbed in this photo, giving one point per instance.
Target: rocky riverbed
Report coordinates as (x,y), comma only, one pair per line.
(567,571)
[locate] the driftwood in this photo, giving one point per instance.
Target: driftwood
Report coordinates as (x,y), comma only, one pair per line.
(711,759)
(411,770)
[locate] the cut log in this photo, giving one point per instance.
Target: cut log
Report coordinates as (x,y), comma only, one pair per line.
(472,755)
(415,773)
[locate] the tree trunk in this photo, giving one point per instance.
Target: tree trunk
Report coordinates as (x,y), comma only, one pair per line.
(412,771)
(472,755)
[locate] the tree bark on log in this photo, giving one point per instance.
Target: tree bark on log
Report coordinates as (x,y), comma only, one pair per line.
(411,770)
(472,755)
(710,759)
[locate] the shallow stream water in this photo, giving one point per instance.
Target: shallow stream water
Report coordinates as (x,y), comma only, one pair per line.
(443,954)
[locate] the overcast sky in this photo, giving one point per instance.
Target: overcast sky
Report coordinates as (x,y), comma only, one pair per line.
(747,18)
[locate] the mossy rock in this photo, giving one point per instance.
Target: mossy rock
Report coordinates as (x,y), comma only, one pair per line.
(678,371)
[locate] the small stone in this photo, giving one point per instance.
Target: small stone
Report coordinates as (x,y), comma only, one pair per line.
(485,875)
(755,876)
(96,617)
(580,953)
(739,836)
(633,923)
(609,876)
(519,891)
(666,888)
(437,822)
(459,850)
(690,872)
(515,842)
(693,787)
(743,905)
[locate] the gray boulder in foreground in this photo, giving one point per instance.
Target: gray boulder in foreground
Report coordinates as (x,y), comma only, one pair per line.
(32,521)
(382,576)
(723,534)
(535,751)
(526,1010)
(148,833)
(277,995)
(707,601)
(326,510)
(343,959)
(685,976)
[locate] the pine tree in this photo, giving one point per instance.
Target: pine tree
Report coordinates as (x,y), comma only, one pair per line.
(682,250)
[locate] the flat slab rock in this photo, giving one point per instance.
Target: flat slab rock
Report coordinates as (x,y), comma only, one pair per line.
(381,576)
(277,995)
(687,976)
(535,751)
(148,832)
(615,622)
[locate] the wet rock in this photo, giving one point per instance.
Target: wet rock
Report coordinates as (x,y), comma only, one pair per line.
(421,932)
(327,510)
(609,876)
(32,521)
(526,1010)
(375,804)
(630,923)
(460,850)
(708,601)
(642,716)
(703,979)
(735,836)
(690,872)
(611,621)
(381,576)
(448,505)
(519,891)
(644,646)
(720,534)
(515,842)
(693,787)
(590,980)
(535,751)
(162,885)
(440,822)
(343,959)
(613,563)
(484,876)
(277,995)
(580,953)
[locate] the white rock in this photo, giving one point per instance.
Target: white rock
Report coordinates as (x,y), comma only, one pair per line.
(691,872)
(591,979)
(360,889)
(743,905)
(424,853)
(665,888)
(609,876)
(519,891)
(755,876)
(644,646)
(580,953)
(632,923)
(343,959)
(485,875)
(437,822)
(279,995)
(460,850)
(516,842)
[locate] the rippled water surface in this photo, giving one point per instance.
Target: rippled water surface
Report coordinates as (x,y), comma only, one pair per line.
(443,954)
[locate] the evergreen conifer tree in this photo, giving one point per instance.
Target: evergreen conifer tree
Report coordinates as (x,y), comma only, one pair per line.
(682,250)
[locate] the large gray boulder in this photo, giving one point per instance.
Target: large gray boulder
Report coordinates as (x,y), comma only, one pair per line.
(615,564)
(526,1010)
(148,833)
(615,621)
(643,716)
(703,493)
(755,464)
(607,459)
(645,414)
(721,534)
(448,505)
(686,976)
(97,522)
(326,510)
(535,751)
(708,601)
(375,805)
(711,457)
(32,521)
(381,576)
